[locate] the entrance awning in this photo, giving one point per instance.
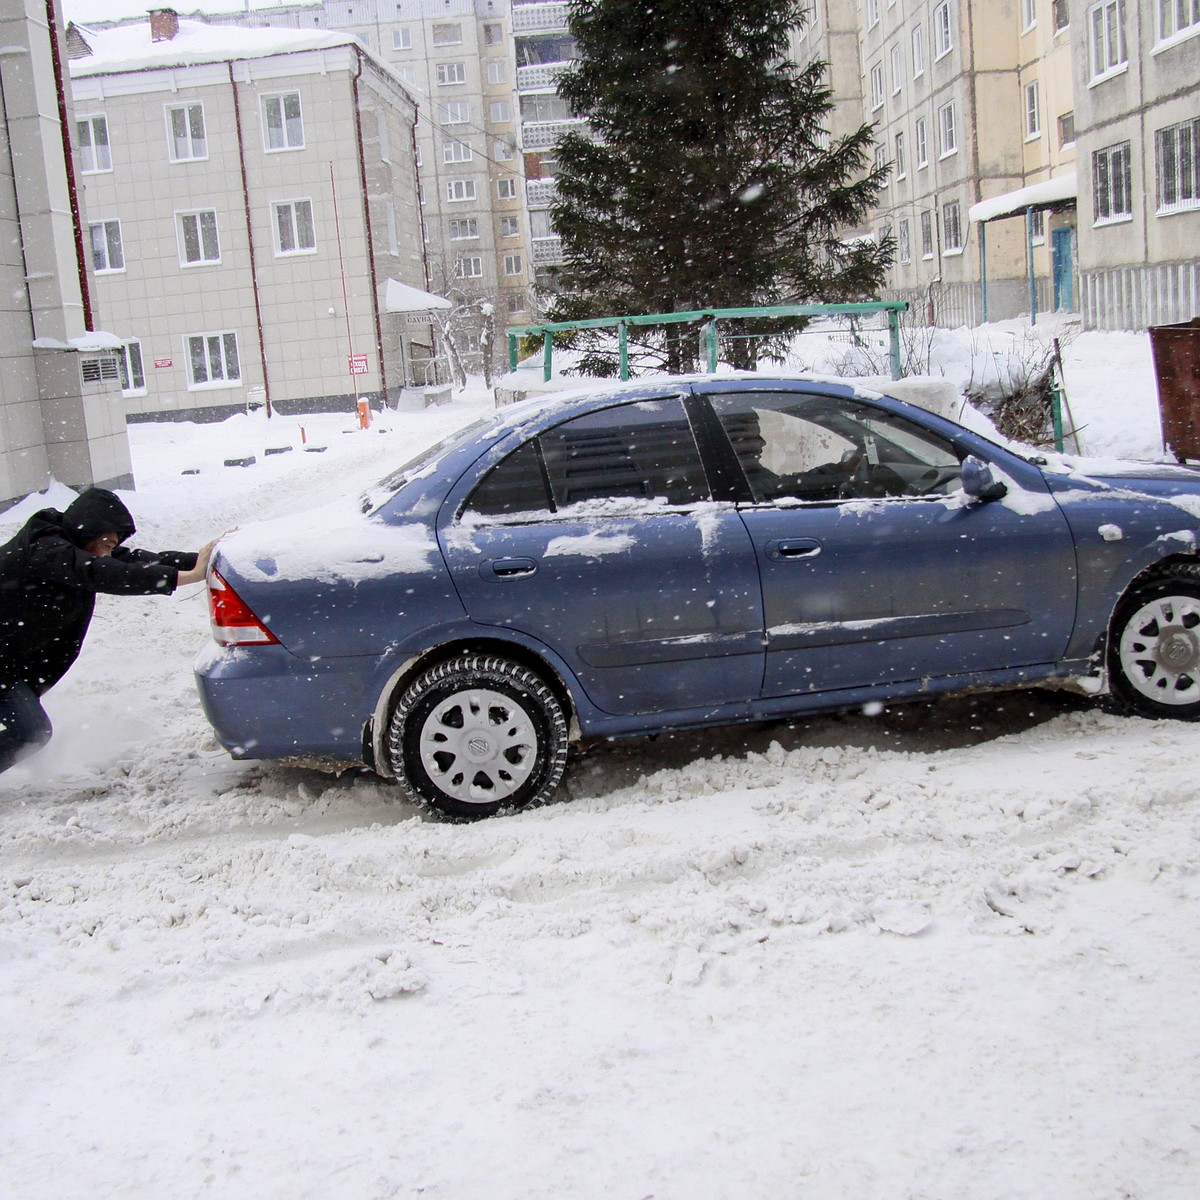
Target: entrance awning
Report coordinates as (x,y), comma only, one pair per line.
(1047,194)
(404,298)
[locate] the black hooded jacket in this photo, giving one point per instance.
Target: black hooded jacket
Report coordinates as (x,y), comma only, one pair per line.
(48,584)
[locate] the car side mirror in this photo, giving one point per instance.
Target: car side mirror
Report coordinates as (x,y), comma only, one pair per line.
(978,482)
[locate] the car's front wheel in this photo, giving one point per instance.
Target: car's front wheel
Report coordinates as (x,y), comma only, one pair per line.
(1154,650)
(477,735)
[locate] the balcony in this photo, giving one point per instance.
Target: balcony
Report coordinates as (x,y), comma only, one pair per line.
(541,78)
(547,250)
(540,193)
(539,18)
(541,135)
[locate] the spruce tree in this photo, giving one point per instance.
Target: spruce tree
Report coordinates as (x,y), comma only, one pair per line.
(710,180)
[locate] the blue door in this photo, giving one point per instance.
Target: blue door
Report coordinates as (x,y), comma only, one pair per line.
(1062,266)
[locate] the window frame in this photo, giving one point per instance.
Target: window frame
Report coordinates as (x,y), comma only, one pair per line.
(943,29)
(899,157)
(450,74)
(1033,111)
(876,85)
(472,223)
(1185,162)
(947,130)
(266,99)
(510,227)
(277,207)
(206,337)
(402,38)
(1115,58)
(918,50)
(953,238)
(466,186)
(125,366)
(90,119)
(181,216)
(455,151)
(509,183)
(469,266)
(1180,32)
(1106,161)
(446,39)
(513,264)
(1028,15)
(921,138)
(168,112)
(107,224)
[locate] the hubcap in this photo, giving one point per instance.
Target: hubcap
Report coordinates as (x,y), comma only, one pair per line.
(478,746)
(1160,650)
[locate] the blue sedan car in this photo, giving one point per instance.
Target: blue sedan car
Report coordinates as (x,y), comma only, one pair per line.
(683,553)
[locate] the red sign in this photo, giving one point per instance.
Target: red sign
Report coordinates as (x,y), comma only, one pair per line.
(162,362)
(358,364)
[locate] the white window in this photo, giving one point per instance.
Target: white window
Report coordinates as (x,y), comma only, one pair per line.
(510,227)
(493,34)
(407,74)
(1028,14)
(1033,111)
(497,70)
(872,13)
(447,73)
(95,154)
(947,131)
(1066,129)
(454,112)
(129,362)
(402,39)
(385,139)
(512,264)
(1106,38)
(503,152)
(1062,14)
(467,227)
(1177,165)
(876,86)
(1112,184)
(107,253)
(952,227)
(447,35)
(904,242)
(282,121)
(926,234)
(922,143)
(1037,227)
(506,189)
(500,112)
(198,242)
(881,162)
(943,36)
(294,231)
(185,132)
(516,302)
(901,164)
(456,152)
(1177,16)
(212,359)
(460,189)
(918,43)
(897,68)
(468,268)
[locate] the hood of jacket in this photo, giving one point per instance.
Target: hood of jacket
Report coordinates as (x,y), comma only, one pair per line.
(95,512)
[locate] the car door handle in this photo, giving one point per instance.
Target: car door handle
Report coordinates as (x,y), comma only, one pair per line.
(787,549)
(508,568)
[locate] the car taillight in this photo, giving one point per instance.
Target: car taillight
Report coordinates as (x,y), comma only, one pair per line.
(233,621)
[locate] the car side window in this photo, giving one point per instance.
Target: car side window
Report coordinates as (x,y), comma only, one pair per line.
(643,451)
(516,484)
(822,448)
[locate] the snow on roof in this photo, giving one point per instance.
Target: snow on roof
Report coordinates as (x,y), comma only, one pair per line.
(129,48)
(84,12)
(403,298)
(1037,195)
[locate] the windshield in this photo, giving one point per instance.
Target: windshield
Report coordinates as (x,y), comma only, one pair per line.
(387,487)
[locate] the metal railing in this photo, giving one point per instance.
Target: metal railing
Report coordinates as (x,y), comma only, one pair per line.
(540,135)
(539,193)
(539,18)
(541,78)
(547,250)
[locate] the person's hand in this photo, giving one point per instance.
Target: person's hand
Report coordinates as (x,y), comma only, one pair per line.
(198,573)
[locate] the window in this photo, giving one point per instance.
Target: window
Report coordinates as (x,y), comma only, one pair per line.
(447,73)
(185,132)
(943,37)
(408,74)
(897,68)
(500,112)
(460,189)
(1028,14)
(512,264)
(1033,111)
(904,242)
(402,39)
(1112,184)
(281,115)
(881,161)
(294,232)
(107,254)
(212,359)
(497,71)
(506,189)
(1177,16)
(926,234)
(872,13)
(876,86)
(454,112)
(1177,166)
(503,152)
(457,152)
(918,43)
(947,131)
(493,34)
(1037,227)
(901,166)
(129,363)
(461,230)
(447,35)
(1066,129)
(198,242)
(1106,37)
(952,227)
(516,302)
(510,227)
(922,143)
(94,151)
(468,268)
(1062,14)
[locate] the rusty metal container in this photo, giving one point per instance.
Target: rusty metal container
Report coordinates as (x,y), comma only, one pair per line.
(1176,350)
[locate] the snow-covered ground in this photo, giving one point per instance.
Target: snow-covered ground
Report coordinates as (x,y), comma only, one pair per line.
(948,952)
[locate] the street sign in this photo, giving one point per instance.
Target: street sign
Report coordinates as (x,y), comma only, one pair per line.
(358,364)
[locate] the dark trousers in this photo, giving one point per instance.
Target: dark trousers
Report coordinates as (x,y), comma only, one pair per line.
(24,726)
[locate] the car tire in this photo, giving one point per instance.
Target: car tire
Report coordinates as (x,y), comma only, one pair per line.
(1154,647)
(477,735)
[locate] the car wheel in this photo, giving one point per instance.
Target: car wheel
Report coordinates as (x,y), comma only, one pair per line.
(1154,650)
(477,735)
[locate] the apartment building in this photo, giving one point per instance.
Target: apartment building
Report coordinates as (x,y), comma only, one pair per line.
(1137,125)
(60,405)
(252,215)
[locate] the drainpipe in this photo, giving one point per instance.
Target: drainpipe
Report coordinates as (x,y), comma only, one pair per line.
(362,174)
(262,346)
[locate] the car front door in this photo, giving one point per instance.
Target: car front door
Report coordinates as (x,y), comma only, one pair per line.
(875,567)
(599,539)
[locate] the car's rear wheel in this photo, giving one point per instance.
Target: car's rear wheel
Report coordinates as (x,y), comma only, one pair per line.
(1154,650)
(477,735)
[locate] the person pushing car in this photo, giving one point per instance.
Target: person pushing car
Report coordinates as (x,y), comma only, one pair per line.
(49,576)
